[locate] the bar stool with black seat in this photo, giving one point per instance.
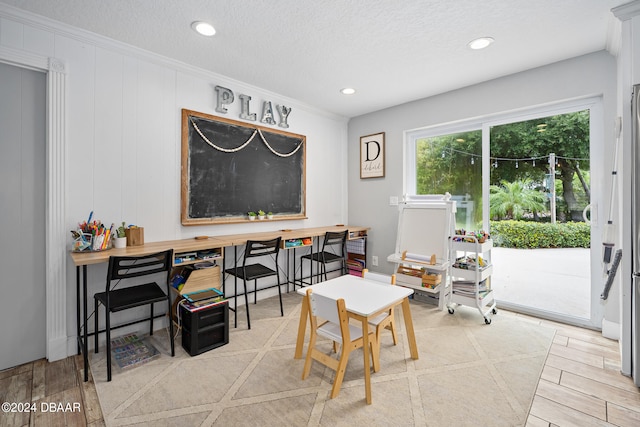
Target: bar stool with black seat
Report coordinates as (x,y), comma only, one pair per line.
(117,297)
(255,271)
(333,250)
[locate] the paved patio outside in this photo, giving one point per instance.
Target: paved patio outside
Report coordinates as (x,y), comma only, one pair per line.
(556,280)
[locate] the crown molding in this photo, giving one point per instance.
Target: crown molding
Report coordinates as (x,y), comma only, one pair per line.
(627,11)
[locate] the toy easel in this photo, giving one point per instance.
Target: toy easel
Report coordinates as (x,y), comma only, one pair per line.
(425,224)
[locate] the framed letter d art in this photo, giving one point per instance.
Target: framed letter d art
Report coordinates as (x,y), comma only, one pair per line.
(372,156)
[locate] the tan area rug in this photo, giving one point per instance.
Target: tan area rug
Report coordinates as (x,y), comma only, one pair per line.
(467,374)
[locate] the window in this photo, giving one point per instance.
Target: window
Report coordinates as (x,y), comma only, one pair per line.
(453,163)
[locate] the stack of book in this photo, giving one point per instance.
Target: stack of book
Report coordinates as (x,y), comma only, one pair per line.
(200,300)
(468,288)
(355,266)
(470,263)
(130,351)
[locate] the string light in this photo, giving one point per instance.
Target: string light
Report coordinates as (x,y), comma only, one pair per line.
(494,160)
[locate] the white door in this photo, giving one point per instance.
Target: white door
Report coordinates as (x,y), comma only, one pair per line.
(22,222)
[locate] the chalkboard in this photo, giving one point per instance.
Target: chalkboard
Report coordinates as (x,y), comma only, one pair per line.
(230,168)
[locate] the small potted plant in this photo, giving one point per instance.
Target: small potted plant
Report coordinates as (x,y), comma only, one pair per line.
(261,214)
(120,240)
(269,215)
(252,216)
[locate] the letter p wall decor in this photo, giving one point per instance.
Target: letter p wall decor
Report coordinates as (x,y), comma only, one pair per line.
(372,156)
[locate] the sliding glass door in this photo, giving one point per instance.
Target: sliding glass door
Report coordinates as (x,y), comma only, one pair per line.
(526,179)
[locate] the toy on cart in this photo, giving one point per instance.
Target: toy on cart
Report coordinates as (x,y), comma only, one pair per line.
(471,274)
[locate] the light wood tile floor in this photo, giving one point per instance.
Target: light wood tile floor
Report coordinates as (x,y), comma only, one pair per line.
(54,392)
(580,385)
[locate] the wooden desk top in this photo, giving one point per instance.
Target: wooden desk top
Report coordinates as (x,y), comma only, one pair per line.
(286,234)
(188,245)
(184,245)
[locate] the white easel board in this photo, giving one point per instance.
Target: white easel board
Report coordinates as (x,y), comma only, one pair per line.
(424,229)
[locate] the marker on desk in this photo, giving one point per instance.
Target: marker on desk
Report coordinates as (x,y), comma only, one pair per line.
(90,216)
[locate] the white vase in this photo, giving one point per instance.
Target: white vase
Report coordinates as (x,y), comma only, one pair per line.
(252,217)
(120,242)
(260,216)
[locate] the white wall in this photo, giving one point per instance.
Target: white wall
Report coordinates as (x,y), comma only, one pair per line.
(585,76)
(123,137)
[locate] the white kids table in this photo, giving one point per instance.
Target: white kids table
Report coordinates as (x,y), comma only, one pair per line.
(364,299)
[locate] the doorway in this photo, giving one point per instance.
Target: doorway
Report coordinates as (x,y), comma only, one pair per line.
(22,177)
(540,186)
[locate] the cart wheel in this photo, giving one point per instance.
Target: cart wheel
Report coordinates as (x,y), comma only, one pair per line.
(494,311)
(451,310)
(487,320)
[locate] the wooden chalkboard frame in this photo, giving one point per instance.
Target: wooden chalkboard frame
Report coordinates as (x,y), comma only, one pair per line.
(189,187)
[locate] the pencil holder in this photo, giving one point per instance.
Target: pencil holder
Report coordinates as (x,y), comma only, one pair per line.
(135,236)
(89,243)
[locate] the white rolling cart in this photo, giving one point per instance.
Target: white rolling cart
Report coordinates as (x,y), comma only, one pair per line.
(421,256)
(471,280)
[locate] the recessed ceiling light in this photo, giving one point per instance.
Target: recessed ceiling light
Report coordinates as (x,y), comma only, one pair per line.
(203,28)
(480,43)
(348,91)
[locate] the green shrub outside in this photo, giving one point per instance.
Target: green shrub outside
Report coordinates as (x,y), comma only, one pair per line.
(531,235)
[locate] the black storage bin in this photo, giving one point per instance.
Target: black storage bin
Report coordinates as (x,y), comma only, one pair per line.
(205,329)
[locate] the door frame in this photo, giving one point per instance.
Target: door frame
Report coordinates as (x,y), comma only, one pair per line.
(55,193)
(596,150)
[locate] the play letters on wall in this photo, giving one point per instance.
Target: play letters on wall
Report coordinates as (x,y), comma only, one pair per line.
(225,96)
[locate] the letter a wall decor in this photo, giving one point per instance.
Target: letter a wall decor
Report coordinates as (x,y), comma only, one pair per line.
(372,156)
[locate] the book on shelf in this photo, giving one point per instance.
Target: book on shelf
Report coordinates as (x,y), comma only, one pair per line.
(470,263)
(185,257)
(355,264)
(208,254)
(469,284)
(202,304)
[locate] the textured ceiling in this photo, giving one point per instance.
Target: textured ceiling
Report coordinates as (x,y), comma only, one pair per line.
(391,51)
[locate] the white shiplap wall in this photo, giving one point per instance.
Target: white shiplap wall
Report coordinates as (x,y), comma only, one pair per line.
(123,136)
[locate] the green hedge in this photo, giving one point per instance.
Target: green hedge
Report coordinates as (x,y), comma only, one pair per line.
(530,235)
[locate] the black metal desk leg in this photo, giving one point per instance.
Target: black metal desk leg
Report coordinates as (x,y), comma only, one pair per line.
(235,288)
(84,326)
(78,308)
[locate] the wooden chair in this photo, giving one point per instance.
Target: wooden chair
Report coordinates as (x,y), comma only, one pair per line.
(333,250)
(248,271)
(383,320)
(335,327)
(117,297)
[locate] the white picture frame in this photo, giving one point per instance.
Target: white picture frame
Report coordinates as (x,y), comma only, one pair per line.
(372,164)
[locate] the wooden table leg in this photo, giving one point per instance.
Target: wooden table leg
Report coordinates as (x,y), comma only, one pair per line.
(365,350)
(408,323)
(302,328)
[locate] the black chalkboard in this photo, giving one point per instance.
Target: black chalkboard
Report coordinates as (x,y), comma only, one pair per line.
(230,168)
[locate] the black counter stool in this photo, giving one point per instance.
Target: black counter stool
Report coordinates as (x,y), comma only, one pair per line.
(333,250)
(248,271)
(118,297)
